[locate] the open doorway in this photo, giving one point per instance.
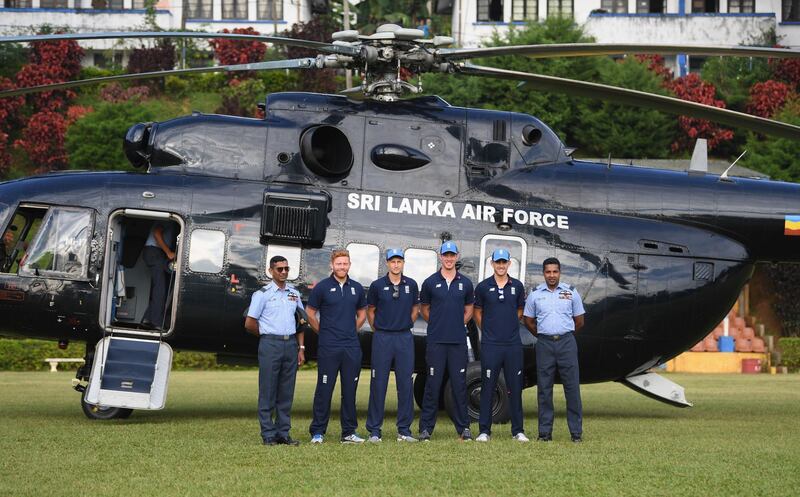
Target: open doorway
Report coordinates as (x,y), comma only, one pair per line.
(142,272)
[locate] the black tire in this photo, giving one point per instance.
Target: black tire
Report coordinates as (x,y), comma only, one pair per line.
(501,411)
(104,413)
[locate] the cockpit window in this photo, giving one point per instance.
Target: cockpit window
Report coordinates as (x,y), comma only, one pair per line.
(62,247)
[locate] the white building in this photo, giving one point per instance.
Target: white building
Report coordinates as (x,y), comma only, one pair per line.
(710,22)
(265,16)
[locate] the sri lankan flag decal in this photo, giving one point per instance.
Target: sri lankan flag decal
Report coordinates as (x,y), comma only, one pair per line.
(791,225)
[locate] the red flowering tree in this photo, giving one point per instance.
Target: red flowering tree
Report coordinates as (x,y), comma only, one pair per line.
(767,98)
(319,28)
(656,64)
(43,140)
(786,70)
(51,62)
(229,52)
(694,89)
(9,117)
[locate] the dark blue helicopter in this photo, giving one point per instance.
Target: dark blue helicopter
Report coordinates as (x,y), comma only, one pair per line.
(659,256)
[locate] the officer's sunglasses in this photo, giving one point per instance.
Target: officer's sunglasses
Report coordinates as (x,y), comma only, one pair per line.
(396,292)
(284,269)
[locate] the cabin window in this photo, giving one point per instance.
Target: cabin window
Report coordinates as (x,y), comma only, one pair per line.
(207,251)
(18,235)
(291,253)
(516,247)
(364,261)
(61,248)
(524,10)
(420,263)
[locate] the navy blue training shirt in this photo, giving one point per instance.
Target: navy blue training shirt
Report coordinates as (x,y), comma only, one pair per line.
(446,323)
(499,319)
(337,306)
(393,314)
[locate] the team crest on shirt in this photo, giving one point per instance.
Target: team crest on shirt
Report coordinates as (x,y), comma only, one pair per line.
(513,291)
(565,294)
(461,287)
(352,290)
(408,290)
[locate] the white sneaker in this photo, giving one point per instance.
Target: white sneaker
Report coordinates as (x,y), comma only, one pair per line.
(352,439)
(316,439)
(520,437)
(483,437)
(374,439)
(406,438)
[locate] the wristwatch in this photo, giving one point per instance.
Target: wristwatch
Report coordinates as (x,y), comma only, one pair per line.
(302,347)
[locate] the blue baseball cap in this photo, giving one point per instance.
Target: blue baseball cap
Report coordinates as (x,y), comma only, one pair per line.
(500,254)
(394,252)
(448,247)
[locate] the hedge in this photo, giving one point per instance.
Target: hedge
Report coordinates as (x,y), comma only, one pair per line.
(790,352)
(29,355)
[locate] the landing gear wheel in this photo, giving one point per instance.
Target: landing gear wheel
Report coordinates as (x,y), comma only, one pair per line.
(100,412)
(500,403)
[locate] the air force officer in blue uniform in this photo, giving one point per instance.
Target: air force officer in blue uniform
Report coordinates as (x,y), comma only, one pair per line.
(280,351)
(446,297)
(342,307)
(554,312)
(393,307)
(499,300)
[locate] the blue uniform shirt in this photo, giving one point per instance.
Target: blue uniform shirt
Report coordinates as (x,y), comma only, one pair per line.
(274,309)
(554,310)
(337,306)
(499,320)
(446,323)
(393,314)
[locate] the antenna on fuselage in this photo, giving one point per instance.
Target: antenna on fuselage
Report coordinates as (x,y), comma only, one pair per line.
(699,160)
(724,175)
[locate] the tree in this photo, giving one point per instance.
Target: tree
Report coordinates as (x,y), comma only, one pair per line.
(94,141)
(43,140)
(768,97)
(777,157)
(230,52)
(319,28)
(51,62)
(622,130)
(694,89)
(160,57)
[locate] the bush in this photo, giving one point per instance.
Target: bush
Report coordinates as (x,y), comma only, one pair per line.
(790,352)
(777,157)
(95,140)
(176,86)
(29,355)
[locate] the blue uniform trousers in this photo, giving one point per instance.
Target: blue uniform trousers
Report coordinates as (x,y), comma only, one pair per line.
(493,358)
(332,361)
(388,347)
(158,264)
(441,357)
(563,354)
(277,369)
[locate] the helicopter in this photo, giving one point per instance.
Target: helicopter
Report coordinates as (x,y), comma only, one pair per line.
(658,256)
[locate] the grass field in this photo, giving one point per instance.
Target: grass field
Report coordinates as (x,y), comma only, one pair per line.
(741,438)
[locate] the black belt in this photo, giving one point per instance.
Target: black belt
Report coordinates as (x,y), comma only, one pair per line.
(278,337)
(553,338)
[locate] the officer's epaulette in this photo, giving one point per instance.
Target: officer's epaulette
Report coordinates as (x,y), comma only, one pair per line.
(571,288)
(263,289)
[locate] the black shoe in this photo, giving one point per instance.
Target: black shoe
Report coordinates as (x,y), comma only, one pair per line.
(577,439)
(466,435)
(424,436)
(271,441)
(545,437)
(288,441)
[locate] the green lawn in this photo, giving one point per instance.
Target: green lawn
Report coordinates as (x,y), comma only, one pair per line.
(741,438)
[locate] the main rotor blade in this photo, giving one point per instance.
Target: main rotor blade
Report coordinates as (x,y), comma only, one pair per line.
(589,49)
(306,63)
(636,98)
(278,40)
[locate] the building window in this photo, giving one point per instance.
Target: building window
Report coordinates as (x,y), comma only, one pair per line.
(791,10)
(270,9)
(490,10)
(615,6)
(364,261)
(138,5)
(292,255)
(559,8)
(17,4)
(199,9)
(207,251)
(741,6)
(234,9)
(524,10)
(705,6)
(651,6)
(53,4)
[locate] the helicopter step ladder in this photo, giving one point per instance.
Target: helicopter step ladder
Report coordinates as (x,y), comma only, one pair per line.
(130,373)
